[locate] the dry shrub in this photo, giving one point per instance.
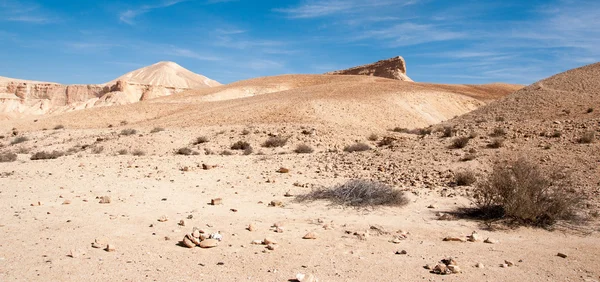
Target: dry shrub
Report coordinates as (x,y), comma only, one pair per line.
(60,126)
(184,151)
(226,153)
(422,131)
(303,149)
(248,151)
(587,138)
(129,131)
(240,145)
(465,178)
(157,129)
(522,191)
(448,131)
(43,155)
(556,134)
(468,157)
(245,131)
(498,132)
(8,157)
(373,137)
(97,149)
(358,147)
(358,193)
(122,152)
(496,143)
(460,142)
(401,130)
(200,140)
(138,153)
(386,141)
(590,110)
(275,141)
(19,140)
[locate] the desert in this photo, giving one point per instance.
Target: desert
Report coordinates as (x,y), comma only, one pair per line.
(357,174)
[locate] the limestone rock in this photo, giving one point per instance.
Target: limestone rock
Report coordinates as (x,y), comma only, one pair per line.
(455,239)
(188,242)
(394,68)
(105,200)
(474,237)
(216,201)
(310,236)
(110,248)
(209,243)
(306,278)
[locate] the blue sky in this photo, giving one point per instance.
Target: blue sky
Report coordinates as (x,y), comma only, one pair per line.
(459,41)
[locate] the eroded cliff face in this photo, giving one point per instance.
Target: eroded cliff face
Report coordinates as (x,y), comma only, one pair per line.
(394,68)
(20,98)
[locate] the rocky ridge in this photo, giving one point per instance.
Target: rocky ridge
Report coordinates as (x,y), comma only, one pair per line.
(394,68)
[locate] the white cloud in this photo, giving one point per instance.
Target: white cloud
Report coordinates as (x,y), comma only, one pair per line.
(129,16)
(314,9)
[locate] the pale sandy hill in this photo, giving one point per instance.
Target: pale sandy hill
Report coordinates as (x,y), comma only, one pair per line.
(168,74)
(351,102)
(16,80)
(565,95)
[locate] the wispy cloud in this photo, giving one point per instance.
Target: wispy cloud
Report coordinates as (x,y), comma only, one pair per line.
(18,12)
(129,16)
(187,53)
(407,34)
(314,9)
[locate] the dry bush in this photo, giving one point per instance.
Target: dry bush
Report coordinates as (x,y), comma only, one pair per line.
(184,151)
(245,131)
(556,134)
(498,132)
(138,152)
(358,147)
(157,129)
(587,138)
(122,152)
(590,110)
(43,155)
(275,141)
(129,131)
(226,153)
(460,142)
(522,191)
(303,149)
(465,178)
(500,119)
(386,141)
(8,157)
(248,151)
(358,193)
(401,130)
(448,131)
(124,122)
(200,140)
(19,140)
(240,145)
(97,149)
(60,126)
(473,135)
(373,137)
(468,157)
(496,143)
(421,131)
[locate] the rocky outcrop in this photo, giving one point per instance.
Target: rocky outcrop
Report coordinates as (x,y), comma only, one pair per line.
(394,68)
(21,97)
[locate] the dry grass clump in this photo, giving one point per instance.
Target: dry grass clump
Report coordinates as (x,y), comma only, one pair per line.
(43,155)
(226,153)
(498,132)
(186,151)
(97,149)
(496,143)
(19,140)
(245,131)
(587,138)
(123,152)
(468,157)
(358,147)
(128,131)
(303,149)
(138,152)
(523,192)
(460,142)
(373,137)
(200,140)
(60,126)
(240,145)
(275,141)
(386,141)
(8,157)
(157,129)
(358,193)
(401,130)
(465,178)
(448,131)
(248,151)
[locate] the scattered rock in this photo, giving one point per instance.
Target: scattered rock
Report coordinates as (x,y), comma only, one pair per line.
(269,241)
(445,216)
(454,268)
(479,265)
(278,230)
(378,230)
(306,278)
(561,255)
(257,242)
(431,207)
(188,242)
(474,237)
(276,203)
(455,239)
(288,194)
(251,227)
(163,218)
(67,202)
(271,247)
(403,252)
(504,265)
(310,236)
(283,170)
(36,204)
(105,200)
(110,248)
(509,263)
(99,244)
(181,222)
(441,268)
(216,201)
(75,253)
(209,243)
(207,167)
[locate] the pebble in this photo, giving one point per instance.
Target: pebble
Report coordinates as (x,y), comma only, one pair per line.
(256,242)
(188,242)
(561,255)
(479,265)
(105,200)
(509,263)
(474,237)
(67,202)
(271,247)
(163,218)
(283,170)
(276,203)
(181,222)
(110,248)
(454,268)
(306,278)
(490,241)
(209,243)
(251,227)
(310,235)
(455,239)
(403,252)
(216,201)
(269,241)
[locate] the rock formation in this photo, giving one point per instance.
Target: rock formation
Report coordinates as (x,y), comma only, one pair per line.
(22,97)
(394,68)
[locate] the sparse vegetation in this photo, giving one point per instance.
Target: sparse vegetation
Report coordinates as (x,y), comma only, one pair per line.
(473,135)
(358,147)
(124,122)
(587,138)
(97,149)
(226,153)
(303,149)
(200,140)
(386,141)
(8,157)
(358,193)
(275,141)
(245,131)
(522,191)
(19,140)
(240,145)
(248,151)
(401,130)
(448,131)
(184,151)
(373,137)
(460,142)
(43,155)
(138,152)
(498,132)
(157,129)
(468,157)
(590,110)
(465,178)
(496,143)
(556,134)
(500,119)
(129,131)
(123,152)
(422,131)
(60,126)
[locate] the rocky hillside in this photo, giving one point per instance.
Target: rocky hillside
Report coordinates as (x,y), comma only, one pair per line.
(22,97)
(394,68)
